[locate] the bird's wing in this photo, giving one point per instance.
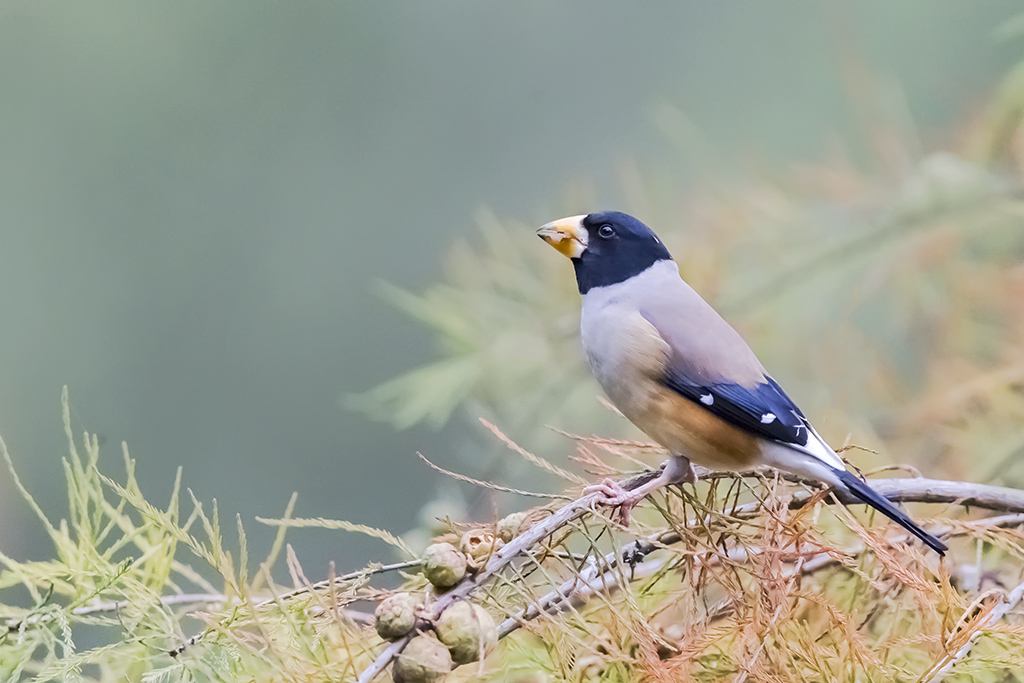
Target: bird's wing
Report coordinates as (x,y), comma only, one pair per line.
(763,409)
(710,364)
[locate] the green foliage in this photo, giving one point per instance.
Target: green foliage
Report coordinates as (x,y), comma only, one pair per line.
(128,574)
(497,320)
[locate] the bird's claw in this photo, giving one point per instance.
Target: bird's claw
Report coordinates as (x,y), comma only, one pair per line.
(609,491)
(611,494)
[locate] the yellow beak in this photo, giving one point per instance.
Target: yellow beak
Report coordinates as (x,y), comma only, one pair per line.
(566,235)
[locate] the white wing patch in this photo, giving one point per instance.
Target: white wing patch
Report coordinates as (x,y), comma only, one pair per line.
(768,418)
(707,399)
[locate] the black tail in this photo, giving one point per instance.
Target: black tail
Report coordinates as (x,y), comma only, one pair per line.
(861,490)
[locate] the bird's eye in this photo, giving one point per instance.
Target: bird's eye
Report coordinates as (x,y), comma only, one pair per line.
(606,231)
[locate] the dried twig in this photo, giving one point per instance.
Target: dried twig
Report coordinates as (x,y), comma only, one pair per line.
(499,561)
(984,496)
(593,579)
(578,590)
(1003,604)
(488,484)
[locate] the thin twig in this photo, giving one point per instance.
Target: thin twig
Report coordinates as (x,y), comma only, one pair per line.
(531,458)
(302,590)
(487,484)
(577,590)
(898,490)
(101,607)
(505,555)
(176,600)
(984,496)
(1007,601)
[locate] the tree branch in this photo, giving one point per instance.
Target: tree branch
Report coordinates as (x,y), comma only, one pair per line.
(538,532)
(898,490)
(104,606)
(302,590)
(1005,602)
(578,590)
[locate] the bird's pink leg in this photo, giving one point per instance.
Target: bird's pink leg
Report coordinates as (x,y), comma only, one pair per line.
(677,471)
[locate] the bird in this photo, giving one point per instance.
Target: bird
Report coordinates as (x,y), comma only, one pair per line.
(683,375)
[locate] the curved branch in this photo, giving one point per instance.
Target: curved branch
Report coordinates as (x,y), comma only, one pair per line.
(538,532)
(898,490)
(578,590)
(986,496)
(1004,603)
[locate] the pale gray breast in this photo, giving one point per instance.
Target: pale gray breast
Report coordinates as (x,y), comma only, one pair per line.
(623,349)
(634,329)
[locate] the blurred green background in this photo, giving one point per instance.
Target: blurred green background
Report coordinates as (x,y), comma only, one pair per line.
(199,200)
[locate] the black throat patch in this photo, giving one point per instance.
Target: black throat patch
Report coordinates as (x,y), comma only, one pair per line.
(603,269)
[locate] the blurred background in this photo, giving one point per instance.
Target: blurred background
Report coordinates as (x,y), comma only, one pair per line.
(286,246)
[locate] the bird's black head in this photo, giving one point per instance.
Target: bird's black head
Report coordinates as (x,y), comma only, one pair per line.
(606,247)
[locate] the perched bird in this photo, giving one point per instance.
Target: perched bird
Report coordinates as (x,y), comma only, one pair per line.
(682,374)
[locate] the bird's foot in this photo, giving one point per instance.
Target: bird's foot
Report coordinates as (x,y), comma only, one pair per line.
(611,493)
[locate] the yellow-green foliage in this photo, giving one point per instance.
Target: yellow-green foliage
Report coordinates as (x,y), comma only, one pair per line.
(127,573)
(734,581)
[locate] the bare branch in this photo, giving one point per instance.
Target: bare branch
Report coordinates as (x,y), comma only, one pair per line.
(578,590)
(963,493)
(592,579)
(1003,604)
(101,607)
(302,590)
(501,558)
